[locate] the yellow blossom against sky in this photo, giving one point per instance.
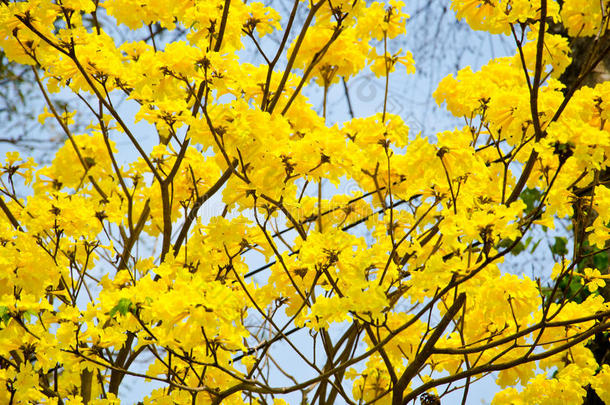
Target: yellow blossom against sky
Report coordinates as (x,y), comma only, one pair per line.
(108,270)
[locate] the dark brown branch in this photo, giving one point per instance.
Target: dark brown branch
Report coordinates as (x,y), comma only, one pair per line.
(198,203)
(426,352)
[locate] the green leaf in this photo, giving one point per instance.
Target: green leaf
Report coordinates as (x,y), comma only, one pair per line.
(5,315)
(122,307)
(29,314)
(535,246)
(574,291)
(600,260)
(504,243)
(546,292)
(519,247)
(560,246)
(574,288)
(530,197)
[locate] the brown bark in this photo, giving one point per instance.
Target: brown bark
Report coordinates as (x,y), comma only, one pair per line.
(581,52)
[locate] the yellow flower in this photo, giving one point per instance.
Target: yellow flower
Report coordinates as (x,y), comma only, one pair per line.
(593,279)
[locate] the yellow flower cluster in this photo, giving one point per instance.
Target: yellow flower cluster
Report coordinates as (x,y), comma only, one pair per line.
(218,213)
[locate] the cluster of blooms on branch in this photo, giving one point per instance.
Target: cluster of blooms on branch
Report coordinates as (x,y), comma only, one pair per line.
(394,290)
